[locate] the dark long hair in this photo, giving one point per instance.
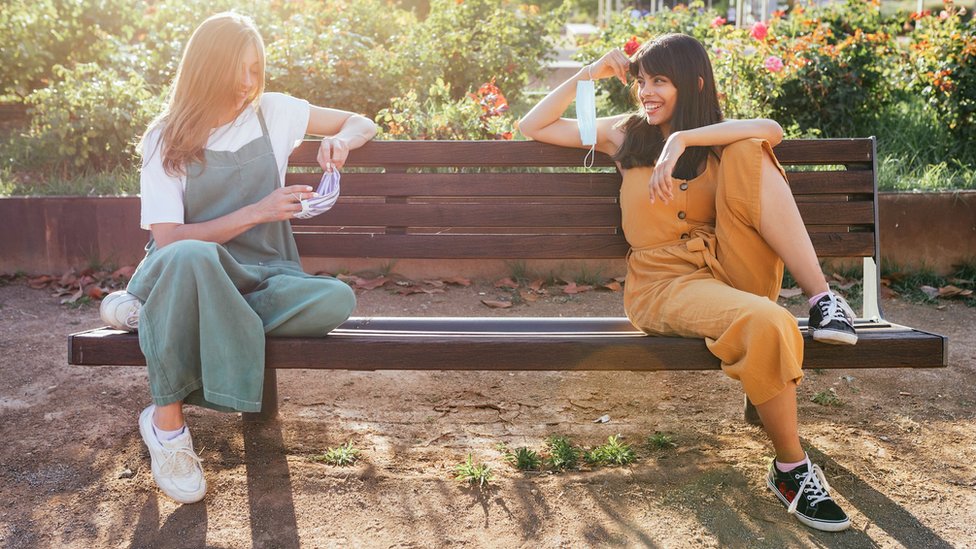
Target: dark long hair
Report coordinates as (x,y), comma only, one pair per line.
(683,60)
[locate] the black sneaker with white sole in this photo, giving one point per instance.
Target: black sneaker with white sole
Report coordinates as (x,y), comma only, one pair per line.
(805,493)
(832,321)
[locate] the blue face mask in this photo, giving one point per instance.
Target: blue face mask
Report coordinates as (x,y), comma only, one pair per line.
(586,118)
(328,193)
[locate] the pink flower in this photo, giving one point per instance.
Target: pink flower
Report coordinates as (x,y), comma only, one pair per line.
(759,30)
(632,45)
(718,22)
(773,64)
(943,15)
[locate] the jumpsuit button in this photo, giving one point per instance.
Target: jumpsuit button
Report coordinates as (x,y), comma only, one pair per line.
(684,236)
(681,215)
(683,186)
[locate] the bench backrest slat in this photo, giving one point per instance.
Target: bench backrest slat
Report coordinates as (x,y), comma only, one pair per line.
(451,199)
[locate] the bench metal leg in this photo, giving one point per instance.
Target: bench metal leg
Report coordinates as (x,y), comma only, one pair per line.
(750,414)
(269,399)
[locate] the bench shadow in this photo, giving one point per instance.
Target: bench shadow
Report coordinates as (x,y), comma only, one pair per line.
(889,516)
(186,527)
(271,507)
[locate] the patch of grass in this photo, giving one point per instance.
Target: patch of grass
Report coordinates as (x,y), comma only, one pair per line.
(661,441)
(524,459)
(562,453)
(518,272)
(613,452)
(827,398)
(586,277)
(473,473)
(908,281)
(340,456)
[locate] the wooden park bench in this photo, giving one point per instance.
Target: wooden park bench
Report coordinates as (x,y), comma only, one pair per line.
(445,200)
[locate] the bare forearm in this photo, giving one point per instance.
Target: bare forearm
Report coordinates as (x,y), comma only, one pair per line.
(552,106)
(731,131)
(357,131)
(219,230)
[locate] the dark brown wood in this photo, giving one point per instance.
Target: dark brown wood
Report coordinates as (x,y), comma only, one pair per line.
(269,399)
(515,215)
(538,246)
(523,344)
(534,154)
(472,184)
(504,214)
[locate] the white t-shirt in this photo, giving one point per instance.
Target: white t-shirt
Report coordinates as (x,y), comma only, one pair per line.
(162,194)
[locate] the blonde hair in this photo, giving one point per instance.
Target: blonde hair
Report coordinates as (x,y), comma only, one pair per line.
(205,87)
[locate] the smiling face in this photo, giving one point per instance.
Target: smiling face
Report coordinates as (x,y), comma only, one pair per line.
(659,97)
(250,79)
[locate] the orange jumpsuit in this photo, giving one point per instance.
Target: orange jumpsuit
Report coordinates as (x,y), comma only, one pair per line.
(699,268)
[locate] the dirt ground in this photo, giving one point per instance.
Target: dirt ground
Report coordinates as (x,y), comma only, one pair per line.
(899,451)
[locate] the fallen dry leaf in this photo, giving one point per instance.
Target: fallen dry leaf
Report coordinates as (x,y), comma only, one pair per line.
(123,272)
(537,284)
(613,286)
(497,304)
(370,284)
(39,282)
(952,291)
(506,282)
(573,288)
(458,281)
(787,293)
(529,296)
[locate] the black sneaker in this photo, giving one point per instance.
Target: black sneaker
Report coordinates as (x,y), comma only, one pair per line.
(805,493)
(832,321)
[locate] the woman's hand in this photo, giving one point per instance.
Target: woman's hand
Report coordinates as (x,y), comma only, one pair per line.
(661,184)
(282,204)
(332,153)
(613,63)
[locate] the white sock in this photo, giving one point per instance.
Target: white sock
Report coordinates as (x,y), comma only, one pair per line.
(166,436)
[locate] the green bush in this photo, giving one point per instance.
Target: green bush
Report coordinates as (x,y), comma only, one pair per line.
(480,115)
(942,57)
(37,35)
(339,56)
(468,43)
(90,118)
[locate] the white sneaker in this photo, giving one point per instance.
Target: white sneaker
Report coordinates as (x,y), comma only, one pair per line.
(120,310)
(175,466)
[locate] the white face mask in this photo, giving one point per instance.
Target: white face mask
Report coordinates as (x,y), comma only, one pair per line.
(586,118)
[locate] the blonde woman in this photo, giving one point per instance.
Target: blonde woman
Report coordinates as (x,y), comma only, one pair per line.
(221,269)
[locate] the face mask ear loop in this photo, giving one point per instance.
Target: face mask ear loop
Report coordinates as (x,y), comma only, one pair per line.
(591,154)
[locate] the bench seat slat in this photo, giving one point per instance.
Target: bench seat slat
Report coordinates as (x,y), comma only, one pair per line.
(522,214)
(591,344)
(531,153)
(523,246)
(471,184)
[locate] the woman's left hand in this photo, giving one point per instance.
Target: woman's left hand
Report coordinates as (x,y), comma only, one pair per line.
(661,184)
(332,153)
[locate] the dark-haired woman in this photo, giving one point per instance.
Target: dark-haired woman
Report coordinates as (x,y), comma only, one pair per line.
(711,221)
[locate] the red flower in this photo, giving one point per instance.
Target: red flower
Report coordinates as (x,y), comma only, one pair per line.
(491,99)
(632,45)
(718,22)
(759,31)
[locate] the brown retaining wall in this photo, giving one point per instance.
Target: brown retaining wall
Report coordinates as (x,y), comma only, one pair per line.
(53,234)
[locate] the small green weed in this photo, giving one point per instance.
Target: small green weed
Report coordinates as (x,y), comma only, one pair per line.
(661,441)
(908,282)
(518,272)
(524,459)
(586,277)
(827,398)
(562,454)
(340,456)
(613,452)
(474,473)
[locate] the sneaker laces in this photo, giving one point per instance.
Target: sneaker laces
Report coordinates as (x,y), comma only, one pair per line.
(814,487)
(180,462)
(831,308)
(132,318)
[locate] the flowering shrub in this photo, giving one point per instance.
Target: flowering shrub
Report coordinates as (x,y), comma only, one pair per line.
(465,43)
(483,114)
(942,57)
